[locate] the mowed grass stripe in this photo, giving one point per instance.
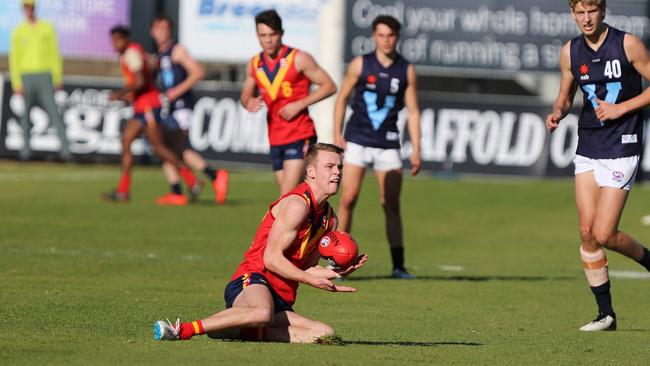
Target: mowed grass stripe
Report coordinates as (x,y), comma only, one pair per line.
(83,280)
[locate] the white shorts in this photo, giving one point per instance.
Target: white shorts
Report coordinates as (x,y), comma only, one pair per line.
(183,117)
(616,173)
(379,159)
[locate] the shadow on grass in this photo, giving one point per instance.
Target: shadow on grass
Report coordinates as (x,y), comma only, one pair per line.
(409,344)
(466,278)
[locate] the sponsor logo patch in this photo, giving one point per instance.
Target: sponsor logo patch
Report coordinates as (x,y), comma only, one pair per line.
(392,136)
(629,139)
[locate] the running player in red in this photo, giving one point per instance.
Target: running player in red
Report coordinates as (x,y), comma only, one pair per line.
(142,93)
(283,76)
(178,72)
(284,253)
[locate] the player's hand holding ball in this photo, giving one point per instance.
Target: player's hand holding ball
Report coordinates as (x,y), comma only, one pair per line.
(341,252)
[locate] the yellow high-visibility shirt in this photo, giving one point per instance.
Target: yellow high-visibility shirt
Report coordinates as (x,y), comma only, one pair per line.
(34,49)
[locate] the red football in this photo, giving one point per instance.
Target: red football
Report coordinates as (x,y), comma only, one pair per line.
(338,249)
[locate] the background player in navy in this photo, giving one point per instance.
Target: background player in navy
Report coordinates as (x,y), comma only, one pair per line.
(607,64)
(178,72)
(383,82)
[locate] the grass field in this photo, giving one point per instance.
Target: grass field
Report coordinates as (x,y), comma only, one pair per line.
(500,279)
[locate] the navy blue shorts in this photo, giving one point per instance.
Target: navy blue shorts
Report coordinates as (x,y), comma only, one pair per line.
(235,287)
(293,150)
(140,117)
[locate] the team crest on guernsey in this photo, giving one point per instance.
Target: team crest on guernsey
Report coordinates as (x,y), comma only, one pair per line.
(371,82)
(584,70)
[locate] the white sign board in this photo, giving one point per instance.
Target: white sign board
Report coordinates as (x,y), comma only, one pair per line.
(224,30)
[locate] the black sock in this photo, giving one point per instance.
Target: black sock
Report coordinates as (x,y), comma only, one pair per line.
(645,261)
(176,188)
(397,254)
(210,172)
(603,298)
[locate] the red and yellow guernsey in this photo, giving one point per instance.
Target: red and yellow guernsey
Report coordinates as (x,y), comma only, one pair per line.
(319,221)
(148,97)
(280,84)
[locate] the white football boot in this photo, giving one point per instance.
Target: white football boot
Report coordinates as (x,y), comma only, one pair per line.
(166,331)
(602,322)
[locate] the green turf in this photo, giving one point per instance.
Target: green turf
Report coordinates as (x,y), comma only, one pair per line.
(81,281)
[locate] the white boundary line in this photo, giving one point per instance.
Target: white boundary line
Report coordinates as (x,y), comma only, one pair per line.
(633,275)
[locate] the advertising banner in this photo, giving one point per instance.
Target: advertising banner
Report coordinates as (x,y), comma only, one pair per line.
(507,35)
(463,137)
(224,30)
(82,26)
(221,128)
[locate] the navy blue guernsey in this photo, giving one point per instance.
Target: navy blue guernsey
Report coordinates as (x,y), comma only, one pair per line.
(378,97)
(606,74)
(170,75)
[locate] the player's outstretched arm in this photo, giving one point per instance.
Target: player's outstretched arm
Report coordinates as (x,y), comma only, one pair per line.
(347,86)
(568,88)
(289,214)
(637,55)
(326,87)
(413,107)
(195,72)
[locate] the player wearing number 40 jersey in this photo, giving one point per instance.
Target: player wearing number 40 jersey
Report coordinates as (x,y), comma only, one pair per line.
(607,64)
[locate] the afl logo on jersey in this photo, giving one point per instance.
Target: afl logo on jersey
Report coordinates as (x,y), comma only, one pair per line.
(371,82)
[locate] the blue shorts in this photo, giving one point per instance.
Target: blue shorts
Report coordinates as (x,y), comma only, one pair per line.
(293,150)
(140,117)
(236,286)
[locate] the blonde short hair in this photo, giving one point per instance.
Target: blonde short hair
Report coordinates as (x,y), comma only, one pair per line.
(602,4)
(312,151)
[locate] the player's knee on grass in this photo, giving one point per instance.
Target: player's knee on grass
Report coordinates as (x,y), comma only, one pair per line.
(260,317)
(322,330)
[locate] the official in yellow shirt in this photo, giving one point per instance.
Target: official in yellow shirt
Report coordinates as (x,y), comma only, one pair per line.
(35,66)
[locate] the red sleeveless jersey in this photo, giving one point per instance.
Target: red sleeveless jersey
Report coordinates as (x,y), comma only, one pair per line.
(280,83)
(319,221)
(148,97)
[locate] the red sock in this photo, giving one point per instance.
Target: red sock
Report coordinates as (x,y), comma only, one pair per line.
(189,329)
(188,176)
(124,186)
